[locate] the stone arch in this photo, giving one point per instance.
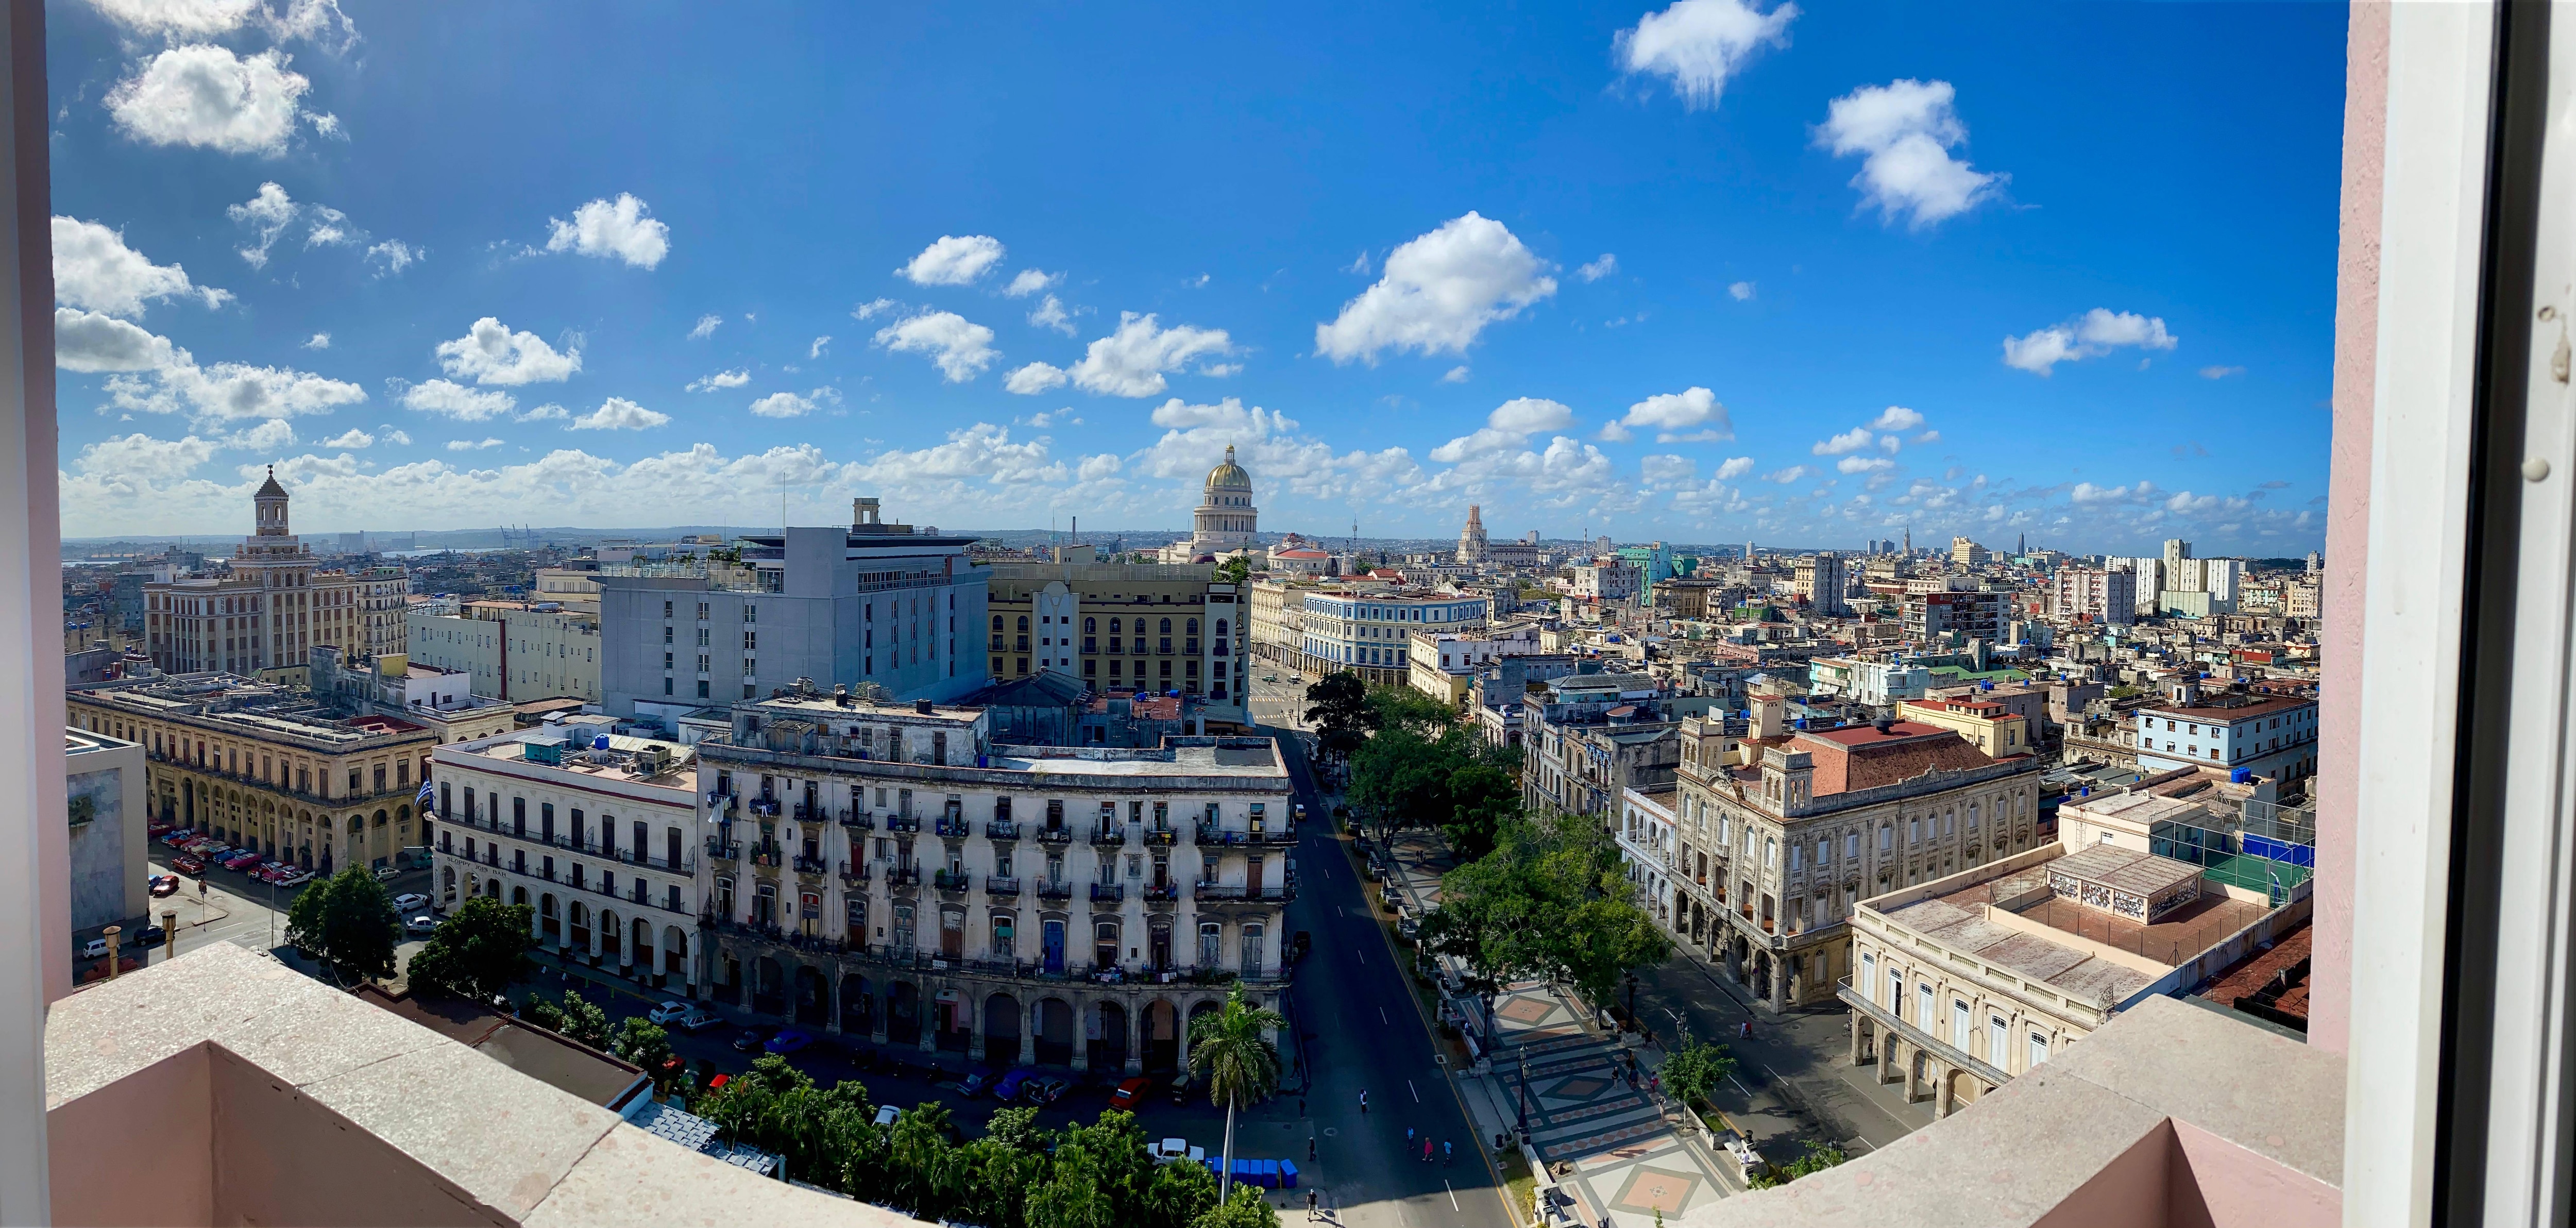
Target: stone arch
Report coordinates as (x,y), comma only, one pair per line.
(1109,1047)
(639,950)
(1162,1036)
(813,997)
(1055,1034)
(858,1005)
(492,888)
(1198,1009)
(549,926)
(768,986)
(675,952)
(1001,1028)
(903,1013)
(518,895)
(611,931)
(447,885)
(577,923)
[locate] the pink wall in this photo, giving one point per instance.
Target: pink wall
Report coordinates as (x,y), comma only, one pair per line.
(2365,119)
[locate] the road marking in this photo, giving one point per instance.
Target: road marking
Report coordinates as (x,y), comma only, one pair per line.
(1453,1196)
(1382,1017)
(1858,1138)
(1417,1092)
(1363,957)
(1739,1083)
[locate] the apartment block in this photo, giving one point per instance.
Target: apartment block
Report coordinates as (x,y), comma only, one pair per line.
(1121,626)
(1369,632)
(511,649)
(275,605)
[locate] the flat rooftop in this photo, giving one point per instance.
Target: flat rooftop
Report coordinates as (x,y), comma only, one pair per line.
(1245,757)
(1959,920)
(824,709)
(622,761)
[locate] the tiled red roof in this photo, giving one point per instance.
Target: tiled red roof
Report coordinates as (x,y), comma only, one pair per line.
(1861,757)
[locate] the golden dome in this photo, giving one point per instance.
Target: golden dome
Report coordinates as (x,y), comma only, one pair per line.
(1229,476)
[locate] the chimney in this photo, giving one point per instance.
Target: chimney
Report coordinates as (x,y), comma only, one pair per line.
(111,934)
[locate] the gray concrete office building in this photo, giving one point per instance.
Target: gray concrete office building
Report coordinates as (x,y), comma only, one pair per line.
(875,602)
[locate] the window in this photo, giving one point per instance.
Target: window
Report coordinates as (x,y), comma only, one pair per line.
(1896,992)
(1959,1024)
(1995,1040)
(2038,1049)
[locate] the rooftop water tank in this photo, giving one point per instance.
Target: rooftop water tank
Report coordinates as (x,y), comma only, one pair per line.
(600,742)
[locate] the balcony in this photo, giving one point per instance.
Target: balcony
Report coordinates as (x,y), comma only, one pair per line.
(1238,893)
(1055,835)
(1003,829)
(854,873)
(997,885)
(1108,893)
(812,865)
(858,820)
(808,812)
(1161,837)
(1165,894)
(903,822)
(767,856)
(954,828)
(765,807)
(904,876)
(951,880)
(719,803)
(722,849)
(1054,889)
(1109,835)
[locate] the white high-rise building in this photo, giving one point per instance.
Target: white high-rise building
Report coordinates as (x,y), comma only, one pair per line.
(1472,544)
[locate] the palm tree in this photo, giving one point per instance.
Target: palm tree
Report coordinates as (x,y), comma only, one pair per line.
(1231,1051)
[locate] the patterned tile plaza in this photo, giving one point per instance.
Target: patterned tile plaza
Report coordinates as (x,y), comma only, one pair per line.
(1628,1163)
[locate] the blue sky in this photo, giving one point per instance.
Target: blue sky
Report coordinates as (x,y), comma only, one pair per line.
(1700,272)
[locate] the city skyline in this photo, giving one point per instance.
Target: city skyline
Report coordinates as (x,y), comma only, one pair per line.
(1811,276)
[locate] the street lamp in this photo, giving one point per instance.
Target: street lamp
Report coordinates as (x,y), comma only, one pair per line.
(1521,1097)
(1632,998)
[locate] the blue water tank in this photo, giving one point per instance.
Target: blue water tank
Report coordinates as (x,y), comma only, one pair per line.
(2240,776)
(600,742)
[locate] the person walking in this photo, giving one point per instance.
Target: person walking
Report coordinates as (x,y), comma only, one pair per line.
(1310,1204)
(1448,1154)
(1745,1031)
(1408,1138)
(1426,1151)
(1364,1100)
(1310,1152)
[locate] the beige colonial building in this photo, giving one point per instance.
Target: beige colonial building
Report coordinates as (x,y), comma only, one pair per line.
(889,871)
(1987,725)
(274,607)
(1121,626)
(599,840)
(1779,836)
(1970,980)
(269,769)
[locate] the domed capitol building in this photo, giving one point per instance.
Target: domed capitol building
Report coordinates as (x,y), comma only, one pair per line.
(1225,520)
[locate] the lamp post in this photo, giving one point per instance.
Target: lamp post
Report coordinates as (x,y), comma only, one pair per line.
(1521,1097)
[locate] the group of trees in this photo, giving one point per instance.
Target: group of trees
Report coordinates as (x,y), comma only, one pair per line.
(1412,764)
(480,952)
(1017,1175)
(346,921)
(637,1039)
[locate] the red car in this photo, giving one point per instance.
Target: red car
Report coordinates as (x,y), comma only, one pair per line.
(186,864)
(242,860)
(176,838)
(1130,1093)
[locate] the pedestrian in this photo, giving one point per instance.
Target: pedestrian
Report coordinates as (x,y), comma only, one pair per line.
(1364,1100)
(1746,1031)
(1408,1138)
(1310,1149)
(1310,1204)
(1426,1151)
(1448,1155)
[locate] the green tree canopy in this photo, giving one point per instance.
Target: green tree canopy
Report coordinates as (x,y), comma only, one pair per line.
(480,952)
(1338,708)
(1690,1072)
(574,1017)
(643,1042)
(1245,1208)
(348,922)
(1551,901)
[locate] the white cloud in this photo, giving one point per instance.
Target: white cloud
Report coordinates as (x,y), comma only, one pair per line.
(1131,361)
(1666,472)
(706,327)
(229,391)
(790,405)
(1033,379)
(619,414)
(1927,437)
(206,96)
(1904,131)
(1050,313)
(1508,427)
(961,349)
(1438,292)
(269,212)
(954,260)
(93,341)
(980,453)
(1060,417)
(1689,416)
(1698,44)
(721,379)
(266,437)
(1599,269)
(548,412)
(491,354)
(141,456)
(1852,440)
(330,228)
(468,445)
(2091,335)
(319,341)
(1735,467)
(397,437)
(1786,476)
(1456,375)
(616,229)
(352,438)
(393,256)
(1741,291)
(457,401)
(1896,418)
(94,269)
(1864,464)
(178,18)
(2220,372)
(1030,281)
(821,343)
(873,308)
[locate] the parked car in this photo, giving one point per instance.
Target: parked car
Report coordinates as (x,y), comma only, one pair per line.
(422,924)
(179,838)
(886,1113)
(1129,1092)
(295,877)
(150,937)
(1009,1088)
(94,948)
(1181,1088)
(385,874)
(1045,1089)
(973,1084)
(410,900)
(163,884)
(243,860)
(663,1013)
(788,1040)
(155,829)
(187,864)
(750,1039)
(698,1019)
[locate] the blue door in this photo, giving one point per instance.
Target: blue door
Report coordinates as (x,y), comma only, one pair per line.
(1054,945)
